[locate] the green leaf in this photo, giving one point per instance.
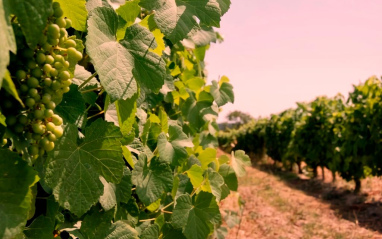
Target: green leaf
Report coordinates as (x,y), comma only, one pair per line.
(120,230)
(118,63)
(75,10)
(7,37)
(72,170)
(10,87)
(239,160)
(128,12)
(81,75)
(195,173)
(152,180)
(214,181)
(150,24)
(176,19)
(222,95)
(152,232)
(173,150)
(207,156)
(229,176)
(72,107)
(32,16)
(16,181)
(196,112)
(224,5)
(196,218)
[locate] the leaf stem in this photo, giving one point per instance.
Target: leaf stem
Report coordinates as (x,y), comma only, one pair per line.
(167,212)
(90,90)
(87,80)
(99,113)
(147,220)
(162,209)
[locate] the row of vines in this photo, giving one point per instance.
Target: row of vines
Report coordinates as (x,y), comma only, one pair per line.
(107,124)
(342,135)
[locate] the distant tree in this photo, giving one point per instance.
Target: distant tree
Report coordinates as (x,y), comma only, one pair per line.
(239,117)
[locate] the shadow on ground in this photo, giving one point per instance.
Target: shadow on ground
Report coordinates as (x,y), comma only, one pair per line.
(344,202)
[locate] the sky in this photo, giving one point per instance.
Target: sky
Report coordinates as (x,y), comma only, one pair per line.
(278,52)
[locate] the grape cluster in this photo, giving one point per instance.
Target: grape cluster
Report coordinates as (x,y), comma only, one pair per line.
(42,76)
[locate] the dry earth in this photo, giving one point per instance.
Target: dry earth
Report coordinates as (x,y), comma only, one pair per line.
(279,204)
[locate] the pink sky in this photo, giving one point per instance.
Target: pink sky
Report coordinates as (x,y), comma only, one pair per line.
(277,52)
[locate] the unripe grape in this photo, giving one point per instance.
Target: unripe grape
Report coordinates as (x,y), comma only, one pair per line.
(66,89)
(66,83)
(11,120)
(38,128)
(20,74)
(23,119)
(57,120)
(74,54)
(58,131)
(55,5)
(52,137)
(58,65)
(49,59)
(37,98)
(44,141)
(31,64)
(53,31)
(55,85)
(54,72)
(27,53)
(29,135)
(51,105)
(49,147)
(39,114)
(30,102)
(70,43)
(32,82)
(4,142)
(61,22)
(58,58)
(41,152)
(64,75)
(36,72)
(19,128)
(47,47)
(58,12)
(32,92)
(24,88)
(46,98)
(36,137)
(40,58)
(47,68)
(53,41)
(48,113)
(68,23)
(50,126)
(47,82)
(63,33)
(33,150)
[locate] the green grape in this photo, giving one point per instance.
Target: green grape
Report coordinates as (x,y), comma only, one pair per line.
(53,31)
(36,137)
(70,43)
(58,12)
(47,47)
(55,85)
(44,141)
(29,135)
(20,74)
(49,147)
(49,59)
(32,92)
(5,141)
(40,58)
(33,150)
(66,89)
(46,98)
(66,83)
(23,119)
(58,58)
(58,131)
(11,120)
(19,128)
(39,114)
(31,64)
(32,82)
(66,64)
(54,72)
(48,113)
(47,82)
(51,105)
(74,54)
(41,152)
(36,72)
(37,98)
(63,33)
(55,5)
(52,137)
(47,68)
(38,128)
(57,120)
(61,22)
(58,65)
(50,126)
(24,88)
(27,53)
(64,75)
(68,23)
(30,102)
(53,41)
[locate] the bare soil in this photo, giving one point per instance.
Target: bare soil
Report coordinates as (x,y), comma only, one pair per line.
(279,204)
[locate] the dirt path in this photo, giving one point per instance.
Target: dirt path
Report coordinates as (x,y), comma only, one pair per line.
(275,209)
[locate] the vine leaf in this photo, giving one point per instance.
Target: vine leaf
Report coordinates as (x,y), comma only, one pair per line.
(175,18)
(32,16)
(152,180)
(16,181)
(214,182)
(229,176)
(7,38)
(207,156)
(72,107)
(173,150)
(119,64)
(75,10)
(238,162)
(195,217)
(72,170)
(222,94)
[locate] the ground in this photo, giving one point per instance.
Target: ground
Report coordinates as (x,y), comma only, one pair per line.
(280,204)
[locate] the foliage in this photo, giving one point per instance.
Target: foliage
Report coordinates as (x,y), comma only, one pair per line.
(108,126)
